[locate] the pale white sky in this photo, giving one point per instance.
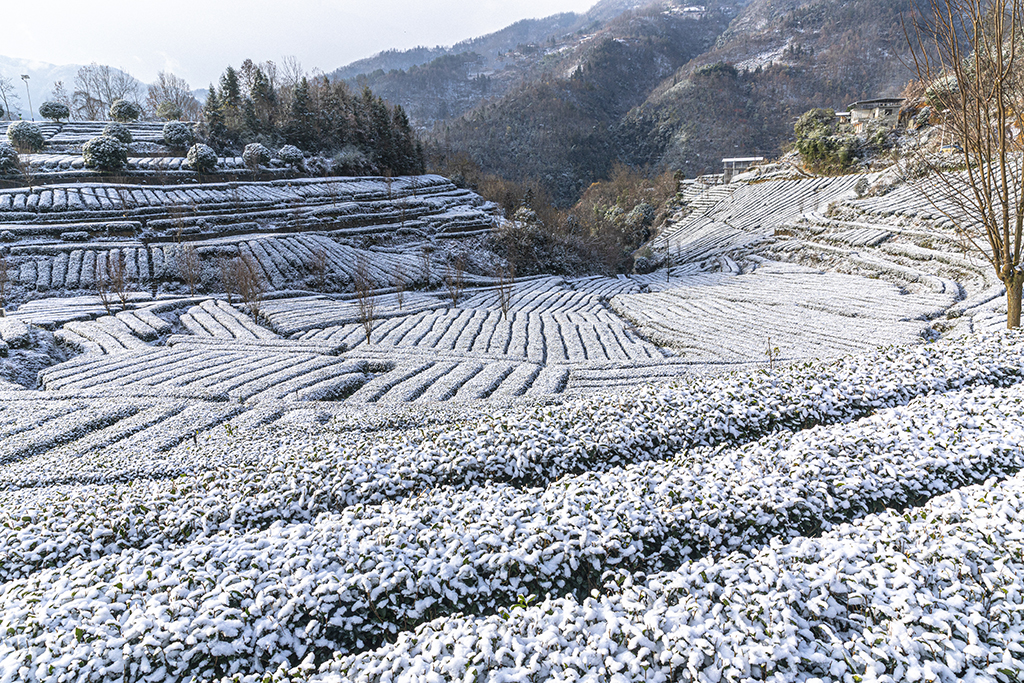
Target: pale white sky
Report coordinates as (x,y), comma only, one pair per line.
(197,39)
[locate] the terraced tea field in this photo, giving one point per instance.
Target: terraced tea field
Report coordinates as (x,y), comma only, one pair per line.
(386,463)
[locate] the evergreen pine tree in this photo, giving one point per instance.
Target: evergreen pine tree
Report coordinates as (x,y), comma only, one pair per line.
(300,128)
(212,112)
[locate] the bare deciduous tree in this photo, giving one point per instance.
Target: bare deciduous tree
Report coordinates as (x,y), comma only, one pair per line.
(455,278)
(244,275)
(364,296)
(8,94)
(401,283)
(27,170)
(227,278)
(425,253)
(189,266)
(60,94)
(969,53)
(171,98)
(506,280)
(96,88)
(102,281)
(119,280)
(318,267)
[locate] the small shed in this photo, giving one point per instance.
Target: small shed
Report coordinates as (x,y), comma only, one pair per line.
(885,109)
(737,165)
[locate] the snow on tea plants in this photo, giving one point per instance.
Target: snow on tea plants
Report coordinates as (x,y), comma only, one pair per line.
(372,570)
(536,446)
(740,215)
(800,311)
(930,594)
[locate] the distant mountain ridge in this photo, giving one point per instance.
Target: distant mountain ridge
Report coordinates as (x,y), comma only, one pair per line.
(633,81)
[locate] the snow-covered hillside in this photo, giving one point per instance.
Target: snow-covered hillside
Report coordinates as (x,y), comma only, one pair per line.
(393,460)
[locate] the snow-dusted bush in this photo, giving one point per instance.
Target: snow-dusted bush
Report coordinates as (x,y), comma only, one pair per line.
(105,153)
(54,111)
(8,158)
(15,333)
(178,134)
(125,111)
(642,216)
(201,158)
(317,166)
(255,155)
(26,136)
(931,594)
(291,155)
(119,131)
(352,161)
(380,570)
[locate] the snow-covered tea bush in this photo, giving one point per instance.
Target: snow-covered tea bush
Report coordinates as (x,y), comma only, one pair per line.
(255,155)
(291,155)
(290,552)
(317,166)
(178,134)
(8,158)
(124,111)
(342,581)
(54,111)
(933,594)
(26,136)
(201,158)
(105,153)
(119,131)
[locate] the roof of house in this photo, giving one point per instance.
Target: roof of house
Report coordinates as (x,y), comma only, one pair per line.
(879,102)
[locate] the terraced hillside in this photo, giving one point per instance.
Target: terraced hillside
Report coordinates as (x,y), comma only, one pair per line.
(431,324)
(149,157)
(390,461)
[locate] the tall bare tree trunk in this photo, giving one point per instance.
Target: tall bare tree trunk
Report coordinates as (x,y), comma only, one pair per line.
(1014,285)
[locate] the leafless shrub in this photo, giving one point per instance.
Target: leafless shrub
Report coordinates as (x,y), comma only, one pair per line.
(364,295)
(455,278)
(318,267)
(772,353)
(246,282)
(506,280)
(177,216)
(103,287)
(119,280)
(25,168)
(227,278)
(401,282)
(425,253)
(189,267)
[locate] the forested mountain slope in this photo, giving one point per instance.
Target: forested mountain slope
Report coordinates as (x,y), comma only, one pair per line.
(665,84)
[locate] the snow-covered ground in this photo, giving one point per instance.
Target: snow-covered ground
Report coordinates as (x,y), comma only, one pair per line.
(706,473)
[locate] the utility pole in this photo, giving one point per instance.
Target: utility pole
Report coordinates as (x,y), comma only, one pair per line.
(25,78)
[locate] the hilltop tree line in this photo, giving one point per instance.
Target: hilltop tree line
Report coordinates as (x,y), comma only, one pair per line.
(276,106)
(267,103)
